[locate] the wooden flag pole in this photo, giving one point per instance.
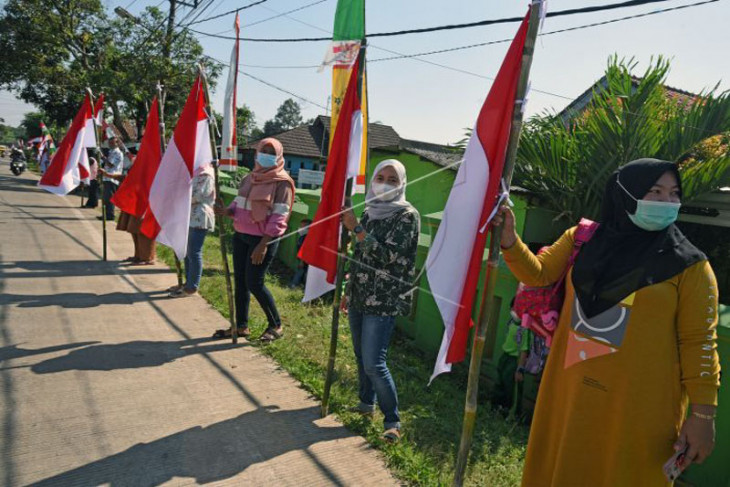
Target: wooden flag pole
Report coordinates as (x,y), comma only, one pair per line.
(161,105)
(221,221)
(344,243)
(486,320)
(98,163)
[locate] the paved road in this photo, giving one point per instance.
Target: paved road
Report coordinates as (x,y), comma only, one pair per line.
(105,381)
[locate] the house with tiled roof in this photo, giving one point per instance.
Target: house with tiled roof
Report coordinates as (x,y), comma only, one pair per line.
(576,107)
(306,147)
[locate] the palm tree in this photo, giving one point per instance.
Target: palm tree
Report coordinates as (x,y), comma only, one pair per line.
(566,164)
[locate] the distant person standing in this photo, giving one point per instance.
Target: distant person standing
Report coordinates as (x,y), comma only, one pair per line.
(92,200)
(45,159)
(202,221)
(112,167)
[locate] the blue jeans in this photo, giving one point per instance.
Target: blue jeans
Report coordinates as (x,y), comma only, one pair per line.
(370,338)
(194,258)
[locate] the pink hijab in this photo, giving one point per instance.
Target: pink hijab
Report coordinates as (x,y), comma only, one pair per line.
(265,180)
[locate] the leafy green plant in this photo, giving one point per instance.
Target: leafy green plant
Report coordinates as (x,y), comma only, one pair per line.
(566,163)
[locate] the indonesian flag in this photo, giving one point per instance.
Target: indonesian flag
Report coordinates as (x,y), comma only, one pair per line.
(455,258)
(107,132)
(322,243)
(342,54)
(70,163)
(99,110)
(46,142)
(168,217)
(133,194)
(229,142)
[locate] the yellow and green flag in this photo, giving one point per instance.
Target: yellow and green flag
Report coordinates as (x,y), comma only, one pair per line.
(349,32)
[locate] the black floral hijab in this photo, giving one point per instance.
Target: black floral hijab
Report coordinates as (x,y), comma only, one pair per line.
(621,258)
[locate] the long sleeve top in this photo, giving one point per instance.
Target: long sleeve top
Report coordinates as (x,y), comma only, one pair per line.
(383,266)
(277,219)
(616,386)
(201,208)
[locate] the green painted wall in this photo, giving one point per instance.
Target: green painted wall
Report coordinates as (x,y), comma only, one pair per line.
(429,195)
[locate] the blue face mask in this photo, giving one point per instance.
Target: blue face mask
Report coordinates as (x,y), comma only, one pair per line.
(652,216)
(266,160)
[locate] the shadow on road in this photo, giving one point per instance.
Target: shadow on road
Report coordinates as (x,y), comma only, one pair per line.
(12,351)
(90,217)
(77,300)
(129,355)
(71,268)
(212,453)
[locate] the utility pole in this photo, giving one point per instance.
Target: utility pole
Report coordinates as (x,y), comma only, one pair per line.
(167,47)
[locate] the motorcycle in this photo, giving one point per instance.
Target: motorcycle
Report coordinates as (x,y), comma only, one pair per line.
(17,162)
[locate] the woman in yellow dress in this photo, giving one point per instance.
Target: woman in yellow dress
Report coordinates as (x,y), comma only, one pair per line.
(635,344)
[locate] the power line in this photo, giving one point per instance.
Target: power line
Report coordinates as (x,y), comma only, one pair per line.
(481,23)
(416,56)
(284,14)
(226,13)
(269,84)
(560,31)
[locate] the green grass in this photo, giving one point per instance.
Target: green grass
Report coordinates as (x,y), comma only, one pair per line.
(431,416)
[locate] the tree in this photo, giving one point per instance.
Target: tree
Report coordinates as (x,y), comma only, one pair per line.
(9,134)
(31,124)
(247,129)
(288,116)
(567,165)
(53,50)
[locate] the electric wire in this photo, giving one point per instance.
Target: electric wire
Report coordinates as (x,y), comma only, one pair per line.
(481,23)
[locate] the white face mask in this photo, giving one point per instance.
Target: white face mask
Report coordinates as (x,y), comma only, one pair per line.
(384,191)
(302,232)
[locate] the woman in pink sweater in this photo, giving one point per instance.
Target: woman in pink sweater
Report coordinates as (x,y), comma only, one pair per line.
(260,214)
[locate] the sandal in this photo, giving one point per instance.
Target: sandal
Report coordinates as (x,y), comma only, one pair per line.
(182,293)
(242,332)
(129,259)
(392,435)
(143,262)
(270,335)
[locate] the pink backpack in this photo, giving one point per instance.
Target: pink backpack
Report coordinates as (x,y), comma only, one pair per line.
(540,307)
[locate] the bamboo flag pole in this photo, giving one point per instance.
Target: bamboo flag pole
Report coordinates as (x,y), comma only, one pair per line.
(98,163)
(486,320)
(221,226)
(344,242)
(161,105)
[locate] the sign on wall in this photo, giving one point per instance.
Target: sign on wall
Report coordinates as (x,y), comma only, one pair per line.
(307,176)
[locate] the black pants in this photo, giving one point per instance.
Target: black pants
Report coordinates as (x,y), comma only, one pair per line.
(249,279)
(92,200)
(109,190)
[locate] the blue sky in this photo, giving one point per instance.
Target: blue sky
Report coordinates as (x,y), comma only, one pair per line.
(431,103)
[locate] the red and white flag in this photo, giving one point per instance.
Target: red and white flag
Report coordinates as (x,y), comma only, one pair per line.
(168,217)
(133,194)
(321,246)
(99,110)
(229,142)
(455,258)
(70,164)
